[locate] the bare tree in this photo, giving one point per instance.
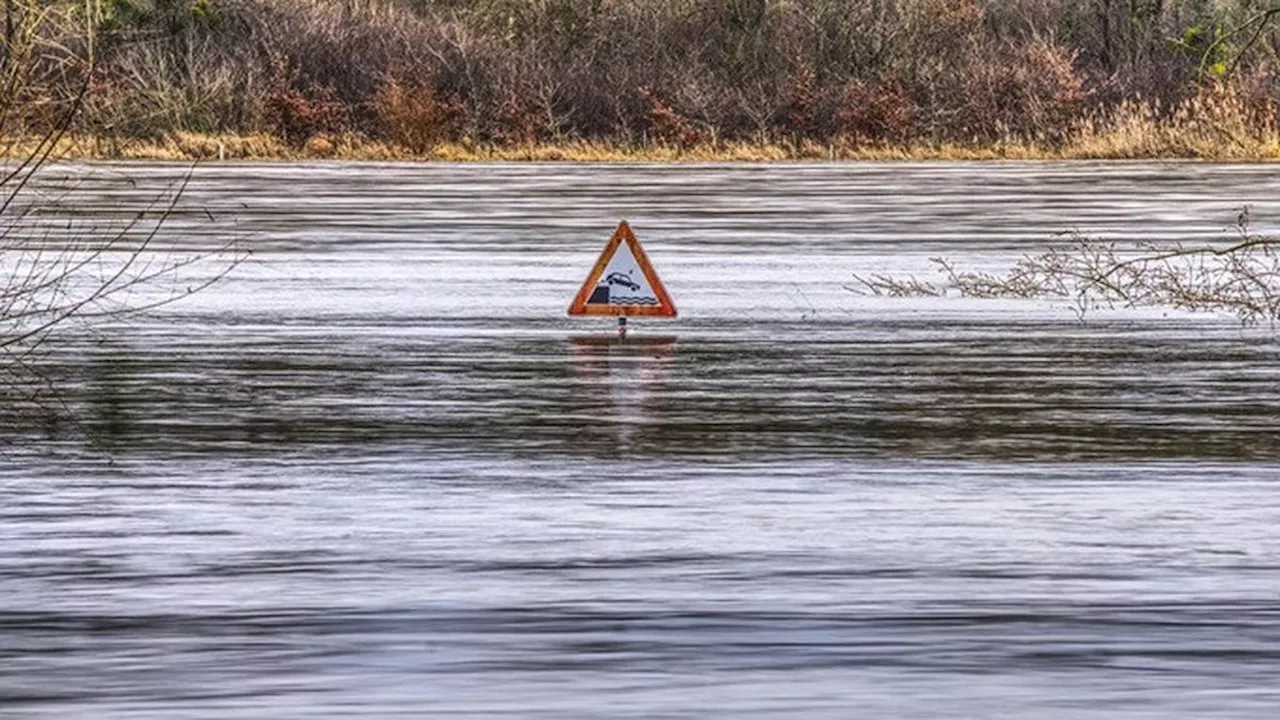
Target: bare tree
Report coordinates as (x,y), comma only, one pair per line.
(59,273)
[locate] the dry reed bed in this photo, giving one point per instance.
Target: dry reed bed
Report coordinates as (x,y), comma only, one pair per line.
(1209,126)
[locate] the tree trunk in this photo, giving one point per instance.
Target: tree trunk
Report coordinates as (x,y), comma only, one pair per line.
(8,35)
(1104,29)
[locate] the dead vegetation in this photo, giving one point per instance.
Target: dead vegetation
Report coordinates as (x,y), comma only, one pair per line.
(1240,277)
(851,78)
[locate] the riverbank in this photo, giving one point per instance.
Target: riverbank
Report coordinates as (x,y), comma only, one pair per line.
(1125,143)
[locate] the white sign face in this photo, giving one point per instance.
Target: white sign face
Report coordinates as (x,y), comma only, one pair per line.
(623,282)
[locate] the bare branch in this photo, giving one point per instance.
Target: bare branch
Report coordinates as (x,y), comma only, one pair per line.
(1242,278)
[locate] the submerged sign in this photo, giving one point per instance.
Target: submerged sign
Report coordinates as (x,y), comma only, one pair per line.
(623,282)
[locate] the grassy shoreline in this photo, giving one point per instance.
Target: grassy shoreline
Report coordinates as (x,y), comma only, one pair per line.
(1116,145)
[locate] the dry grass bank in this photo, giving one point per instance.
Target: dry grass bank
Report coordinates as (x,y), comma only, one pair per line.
(1216,125)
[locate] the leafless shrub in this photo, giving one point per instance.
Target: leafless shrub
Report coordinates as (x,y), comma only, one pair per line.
(1241,277)
(1021,90)
(889,286)
(58,273)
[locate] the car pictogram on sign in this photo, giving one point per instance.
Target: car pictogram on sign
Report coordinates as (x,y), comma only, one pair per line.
(622,279)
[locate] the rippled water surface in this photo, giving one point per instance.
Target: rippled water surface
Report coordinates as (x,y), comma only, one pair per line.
(378,472)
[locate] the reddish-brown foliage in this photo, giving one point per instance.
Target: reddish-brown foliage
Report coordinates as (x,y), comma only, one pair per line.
(799,117)
(413,115)
(517,122)
(666,125)
(880,112)
(297,109)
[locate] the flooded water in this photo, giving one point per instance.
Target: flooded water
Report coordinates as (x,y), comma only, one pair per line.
(378,472)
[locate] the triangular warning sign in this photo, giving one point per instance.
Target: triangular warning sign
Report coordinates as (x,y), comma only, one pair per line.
(623,282)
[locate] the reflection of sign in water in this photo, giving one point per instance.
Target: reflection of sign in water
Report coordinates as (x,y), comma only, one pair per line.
(620,387)
(623,282)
